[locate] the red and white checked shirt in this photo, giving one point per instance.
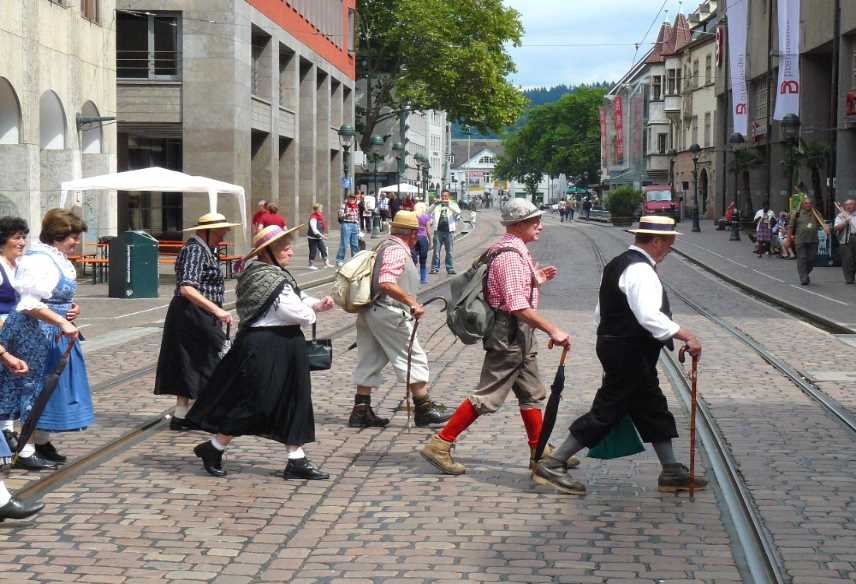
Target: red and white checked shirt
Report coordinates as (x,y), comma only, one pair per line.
(393,261)
(511,279)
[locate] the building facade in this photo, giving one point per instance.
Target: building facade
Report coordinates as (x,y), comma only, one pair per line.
(250,92)
(58,63)
(473,174)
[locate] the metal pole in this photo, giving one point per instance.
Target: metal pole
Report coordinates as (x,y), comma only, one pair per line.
(696,225)
(345,163)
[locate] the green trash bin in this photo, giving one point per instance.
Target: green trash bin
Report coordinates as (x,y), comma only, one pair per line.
(134,266)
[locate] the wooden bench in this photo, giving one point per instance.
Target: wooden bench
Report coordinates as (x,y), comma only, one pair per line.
(100,267)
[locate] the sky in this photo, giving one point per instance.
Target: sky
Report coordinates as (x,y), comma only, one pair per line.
(584,22)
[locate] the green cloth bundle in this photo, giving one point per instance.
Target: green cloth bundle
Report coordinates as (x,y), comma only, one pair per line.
(623,440)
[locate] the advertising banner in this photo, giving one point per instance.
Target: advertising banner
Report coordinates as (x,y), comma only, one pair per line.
(737,12)
(788,87)
(602,112)
(618,120)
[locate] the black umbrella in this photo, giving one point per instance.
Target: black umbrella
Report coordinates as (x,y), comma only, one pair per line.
(51,381)
(552,405)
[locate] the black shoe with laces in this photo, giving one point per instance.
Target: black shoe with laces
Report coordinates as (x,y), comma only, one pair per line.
(429,413)
(212,459)
(48,452)
(302,468)
(34,462)
(363,416)
(181,424)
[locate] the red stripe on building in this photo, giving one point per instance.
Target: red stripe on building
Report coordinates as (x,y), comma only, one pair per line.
(293,22)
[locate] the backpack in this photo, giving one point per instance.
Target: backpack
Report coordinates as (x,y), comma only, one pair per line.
(356,280)
(469,316)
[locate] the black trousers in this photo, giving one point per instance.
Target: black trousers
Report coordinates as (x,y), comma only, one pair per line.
(630,387)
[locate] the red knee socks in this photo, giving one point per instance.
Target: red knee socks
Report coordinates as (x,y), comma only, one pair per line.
(533,420)
(465,415)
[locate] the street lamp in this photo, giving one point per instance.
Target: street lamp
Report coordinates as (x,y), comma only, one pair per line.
(672,153)
(734,141)
(398,149)
(346,138)
(420,160)
(375,142)
(695,149)
(425,177)
(791,131)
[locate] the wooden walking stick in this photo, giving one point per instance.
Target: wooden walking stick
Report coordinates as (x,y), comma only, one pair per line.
(693,407)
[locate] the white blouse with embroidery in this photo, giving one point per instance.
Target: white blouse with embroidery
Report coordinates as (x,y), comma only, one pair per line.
(289,310)
(37,275)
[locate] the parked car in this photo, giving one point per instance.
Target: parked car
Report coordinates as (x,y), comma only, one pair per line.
(658,200)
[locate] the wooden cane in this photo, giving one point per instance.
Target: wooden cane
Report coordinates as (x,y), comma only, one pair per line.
(693,407)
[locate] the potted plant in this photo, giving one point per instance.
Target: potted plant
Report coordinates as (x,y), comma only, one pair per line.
(621,204)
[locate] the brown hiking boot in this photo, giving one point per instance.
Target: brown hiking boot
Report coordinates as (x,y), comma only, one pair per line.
(572,462)
(363,416)
(438,452)
(676,477)
(429,413)
(552,473)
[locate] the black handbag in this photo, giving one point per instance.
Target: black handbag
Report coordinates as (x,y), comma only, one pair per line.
(319,352)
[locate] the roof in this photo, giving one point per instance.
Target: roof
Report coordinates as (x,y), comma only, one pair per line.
(671,39)
(460,147)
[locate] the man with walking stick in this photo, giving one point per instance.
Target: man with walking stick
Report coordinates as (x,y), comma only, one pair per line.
(635,323)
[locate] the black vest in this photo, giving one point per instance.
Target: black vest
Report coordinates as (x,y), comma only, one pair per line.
(616,318)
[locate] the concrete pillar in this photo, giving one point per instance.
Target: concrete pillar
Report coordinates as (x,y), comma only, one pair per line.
(307,135)
(322,136)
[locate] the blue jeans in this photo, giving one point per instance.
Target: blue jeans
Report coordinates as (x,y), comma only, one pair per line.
(419,253)
(443,238)
(349,235)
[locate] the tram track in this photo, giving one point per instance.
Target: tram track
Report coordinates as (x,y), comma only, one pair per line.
(154,424)
(760,552)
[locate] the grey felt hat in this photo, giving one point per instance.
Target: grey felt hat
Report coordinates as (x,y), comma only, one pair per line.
(518,210)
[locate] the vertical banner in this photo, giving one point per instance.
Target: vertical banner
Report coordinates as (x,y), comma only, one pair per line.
(602,111)
(618,120)
(788,87)
(737,12)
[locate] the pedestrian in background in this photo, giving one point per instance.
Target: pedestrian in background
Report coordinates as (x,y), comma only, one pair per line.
(409,203)
(368,209)
(262,387)
(634,323)
(804,223)
(384,330)
(423,241)
(445,215)
(383,205)
(261,209)
(193,334)
(349,229)
(845,229)
(317,237)
(764,220)
(39,331)
(394,205)
(587,209)
(272,217)
(512,288)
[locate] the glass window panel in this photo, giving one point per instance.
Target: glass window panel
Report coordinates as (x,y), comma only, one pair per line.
(132,46)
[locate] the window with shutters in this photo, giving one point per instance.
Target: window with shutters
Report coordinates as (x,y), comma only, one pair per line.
(695,130)
(89,10)
(656,88)
(708,70)
(661,143)
(671,82)
(695,74)
(707,124)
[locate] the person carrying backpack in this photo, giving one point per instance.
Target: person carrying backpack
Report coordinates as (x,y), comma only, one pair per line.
(385,326)
(510,362)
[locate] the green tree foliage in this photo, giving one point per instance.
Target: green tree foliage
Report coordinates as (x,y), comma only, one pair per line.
(438,54)
(562,137)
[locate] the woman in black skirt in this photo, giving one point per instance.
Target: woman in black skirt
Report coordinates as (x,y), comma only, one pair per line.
(193,330)
(262,386)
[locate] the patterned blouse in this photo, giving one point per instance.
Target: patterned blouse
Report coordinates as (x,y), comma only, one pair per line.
(197,266)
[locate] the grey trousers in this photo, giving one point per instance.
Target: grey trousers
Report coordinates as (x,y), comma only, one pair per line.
(848,259)
(806,254)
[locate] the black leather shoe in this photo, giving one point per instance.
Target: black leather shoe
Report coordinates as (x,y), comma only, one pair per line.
(302,468)
(48,452)
(11,439)
(34,462)
(212,459)
(181,424)
(16,509)
(363,416)
(429,414)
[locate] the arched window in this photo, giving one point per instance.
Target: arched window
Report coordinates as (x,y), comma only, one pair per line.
(51,122)
(90,137)
(10,114)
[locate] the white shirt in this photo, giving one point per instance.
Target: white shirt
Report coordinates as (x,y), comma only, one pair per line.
(37,275)
(644,292)
(369,202)
(842,218)
(453,213)
(289,310)
(769,215)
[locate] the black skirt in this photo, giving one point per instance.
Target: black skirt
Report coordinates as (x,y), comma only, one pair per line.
(190,349)
(261,387)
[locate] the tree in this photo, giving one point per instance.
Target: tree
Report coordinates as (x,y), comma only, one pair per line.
(815,155)
(438,54)
(743,161)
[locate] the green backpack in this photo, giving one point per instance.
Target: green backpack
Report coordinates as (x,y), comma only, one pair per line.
(469,316)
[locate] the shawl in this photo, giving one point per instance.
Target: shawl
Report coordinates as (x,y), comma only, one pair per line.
(259,287)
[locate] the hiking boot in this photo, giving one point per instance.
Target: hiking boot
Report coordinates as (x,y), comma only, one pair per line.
(572,462)
(363,416)
(552,473)
(676,477)
(439,453)
(429,413)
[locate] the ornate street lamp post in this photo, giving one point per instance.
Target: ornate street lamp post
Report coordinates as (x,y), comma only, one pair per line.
(695,149)
(346,138)
(420,160)
(425,168)
(672,153)
(734,141)
(791,130)
(398,149)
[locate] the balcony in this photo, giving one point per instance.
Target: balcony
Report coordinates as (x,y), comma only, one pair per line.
(672,105)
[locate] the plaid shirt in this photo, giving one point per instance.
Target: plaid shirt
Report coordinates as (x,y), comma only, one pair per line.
(349,213)
(395,258)
(511,280)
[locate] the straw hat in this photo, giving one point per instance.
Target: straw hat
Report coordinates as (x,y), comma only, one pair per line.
(519,210)
(267,236)
(405,220)
(655,225)
(212,221)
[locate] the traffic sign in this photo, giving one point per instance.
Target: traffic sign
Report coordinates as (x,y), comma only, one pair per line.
(346,182)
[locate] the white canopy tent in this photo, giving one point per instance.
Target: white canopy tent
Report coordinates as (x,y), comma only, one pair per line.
(405,188)
(159,180)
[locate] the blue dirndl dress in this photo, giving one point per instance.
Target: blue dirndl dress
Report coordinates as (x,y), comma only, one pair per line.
(70,406)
